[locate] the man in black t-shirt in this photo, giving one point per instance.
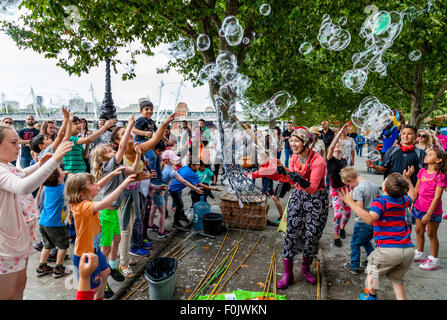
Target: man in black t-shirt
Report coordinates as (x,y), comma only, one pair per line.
(25,136)
(326,134)
(285,137)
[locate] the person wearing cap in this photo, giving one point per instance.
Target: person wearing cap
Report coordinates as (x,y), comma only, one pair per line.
(318,145)
(308,210)
(144,126)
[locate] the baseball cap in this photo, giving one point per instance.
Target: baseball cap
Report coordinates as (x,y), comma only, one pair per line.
(169,154)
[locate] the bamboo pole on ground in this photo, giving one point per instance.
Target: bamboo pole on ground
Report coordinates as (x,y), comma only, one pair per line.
(240,265)
(231,261)
(177,245)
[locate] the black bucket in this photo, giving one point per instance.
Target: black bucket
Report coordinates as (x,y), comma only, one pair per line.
(212,223)
(160,275)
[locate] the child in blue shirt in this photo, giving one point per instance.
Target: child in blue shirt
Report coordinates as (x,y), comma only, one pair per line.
(52,225)
(189,174)
(359,143)
(205,175)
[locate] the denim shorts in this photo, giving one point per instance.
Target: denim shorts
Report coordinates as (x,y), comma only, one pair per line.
(418,214)
(95,277)
(158,199)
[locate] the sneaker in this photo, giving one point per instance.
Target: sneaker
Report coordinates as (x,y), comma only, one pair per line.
(146,245)
(38,245)
(108,292)
(419,256)
(43,270)
(164,234)
(367,296)
(348,267)
(342,233)
(116,274)
(139,252)
(59,272)
(337,242)
(430,264)
(153,228)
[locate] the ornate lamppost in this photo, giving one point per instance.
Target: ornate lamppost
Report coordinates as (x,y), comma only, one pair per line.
(108,110)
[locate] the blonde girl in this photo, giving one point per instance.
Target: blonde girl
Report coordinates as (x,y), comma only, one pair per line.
(80,190)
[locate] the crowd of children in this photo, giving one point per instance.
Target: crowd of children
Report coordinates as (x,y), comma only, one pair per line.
(106,211)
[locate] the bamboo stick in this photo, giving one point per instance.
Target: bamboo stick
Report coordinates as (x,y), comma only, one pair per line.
(274,278)
(231,261)
(177,245)
(236,270)
(179,250)
(188,251)
(228,254)
(211,265)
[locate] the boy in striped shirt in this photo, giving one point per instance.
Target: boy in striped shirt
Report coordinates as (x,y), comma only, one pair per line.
(394,252)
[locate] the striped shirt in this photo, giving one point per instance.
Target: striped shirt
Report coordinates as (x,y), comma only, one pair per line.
(73,160)
(391,229)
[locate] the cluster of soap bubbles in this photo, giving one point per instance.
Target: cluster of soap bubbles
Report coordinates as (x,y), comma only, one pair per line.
(371,117)
(274,107)
(379,30)
(332,36)
(181,49)
(9,8)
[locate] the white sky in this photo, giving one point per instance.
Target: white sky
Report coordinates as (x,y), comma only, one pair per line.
(22,69)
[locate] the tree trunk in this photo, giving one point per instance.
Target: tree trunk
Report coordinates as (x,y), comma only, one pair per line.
(417,116)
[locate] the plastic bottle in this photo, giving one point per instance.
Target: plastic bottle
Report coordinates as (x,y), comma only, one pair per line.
(200,208)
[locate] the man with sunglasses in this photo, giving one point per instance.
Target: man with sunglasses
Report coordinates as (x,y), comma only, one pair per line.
(7,121)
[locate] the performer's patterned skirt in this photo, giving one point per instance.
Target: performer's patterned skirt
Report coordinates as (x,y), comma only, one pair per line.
(306,218)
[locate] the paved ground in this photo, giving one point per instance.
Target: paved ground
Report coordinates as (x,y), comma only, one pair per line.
(336,283)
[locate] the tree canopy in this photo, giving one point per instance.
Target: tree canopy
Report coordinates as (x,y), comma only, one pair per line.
(82,34)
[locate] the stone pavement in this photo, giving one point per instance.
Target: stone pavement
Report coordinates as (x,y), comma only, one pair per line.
(336,283)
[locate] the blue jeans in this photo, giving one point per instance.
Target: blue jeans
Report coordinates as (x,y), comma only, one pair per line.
(288,154)
(136,239)
(267,186)
(358,149)
(361,237)
(25,162)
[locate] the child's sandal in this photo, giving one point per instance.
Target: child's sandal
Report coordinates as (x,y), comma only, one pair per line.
(127,272)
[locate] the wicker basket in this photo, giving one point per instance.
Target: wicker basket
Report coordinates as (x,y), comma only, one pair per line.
(251,216)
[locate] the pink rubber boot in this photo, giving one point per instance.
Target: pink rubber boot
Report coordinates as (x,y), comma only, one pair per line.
(305,270)
(287,278)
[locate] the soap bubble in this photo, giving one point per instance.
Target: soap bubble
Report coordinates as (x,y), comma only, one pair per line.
(379,29)
(342,21)
(411,13)
(415,55)
(9,8)
(227,66)
(246,40)
(332,36)
(232,30)
(240,83)
(208,72)
(86,45)
(274,107)
(265,9)
(203,42)
(371,117)
(355,79)
(308,100)
(305,48)
(374,155)
(181,49)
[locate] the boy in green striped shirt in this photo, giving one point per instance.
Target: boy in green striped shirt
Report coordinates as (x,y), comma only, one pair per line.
(74,160)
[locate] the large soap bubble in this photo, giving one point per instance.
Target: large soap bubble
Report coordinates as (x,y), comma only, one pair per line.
(208,72)
(227,65)
(355,79)
(371,117)
(203,42)
(232,31)
(181,49)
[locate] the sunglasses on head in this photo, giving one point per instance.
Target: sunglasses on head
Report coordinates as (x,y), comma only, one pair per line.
(8,122)
(422,136)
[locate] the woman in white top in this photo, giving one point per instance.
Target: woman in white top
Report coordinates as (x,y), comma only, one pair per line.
(18,212)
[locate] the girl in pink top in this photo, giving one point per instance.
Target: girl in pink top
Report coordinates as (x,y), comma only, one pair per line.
(18,212)
(428,206)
